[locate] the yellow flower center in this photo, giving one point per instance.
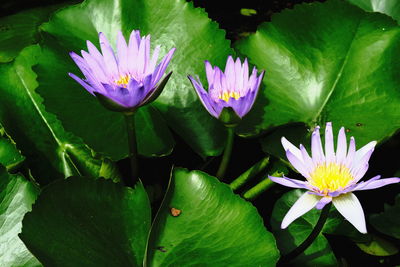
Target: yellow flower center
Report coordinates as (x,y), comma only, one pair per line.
(227,94)
(330,177)
(123,80)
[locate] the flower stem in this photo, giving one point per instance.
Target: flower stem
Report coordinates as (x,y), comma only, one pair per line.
(310,239)
(250,173)
(227,154)
(130,128)
(259,188)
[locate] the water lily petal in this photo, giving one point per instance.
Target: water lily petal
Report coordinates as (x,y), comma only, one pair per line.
(350,207)
(329,146)
(323,201)
(316,147)
(293,183)
(341,149)
(289,146)
(297,164)
(304,204)
(376,183)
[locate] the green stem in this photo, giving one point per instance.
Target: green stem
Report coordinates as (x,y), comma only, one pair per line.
(227,154)
(130,128)
(250,173)
(256,190)
(310,239)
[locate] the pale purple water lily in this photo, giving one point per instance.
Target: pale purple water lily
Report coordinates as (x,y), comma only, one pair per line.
(330,176)
(127,79)
(230,90)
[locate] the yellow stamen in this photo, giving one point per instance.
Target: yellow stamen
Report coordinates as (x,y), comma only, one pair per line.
(330,177)
(227,94)
(123,80)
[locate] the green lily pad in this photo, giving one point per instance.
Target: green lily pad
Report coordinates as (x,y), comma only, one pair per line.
(88,223)
(202,223)
(325,62)
(388,221)
(319,253)
(50,151)
(16,197)
(378,247)
(388,7)
(171,24)
(21,30)
(10,157)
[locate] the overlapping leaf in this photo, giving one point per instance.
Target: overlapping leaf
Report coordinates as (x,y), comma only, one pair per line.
(327,62)
(16,197)
(50,151)
(388,7)
(85,222)
(202,223)
(10,157)
(171,24)
(21,30)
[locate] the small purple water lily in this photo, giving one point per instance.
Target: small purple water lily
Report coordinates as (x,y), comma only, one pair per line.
(126,80)
(232,91)
(330,176)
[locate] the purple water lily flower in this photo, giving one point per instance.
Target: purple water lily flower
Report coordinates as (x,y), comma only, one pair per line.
(330,176)
(233,90)
(126,80)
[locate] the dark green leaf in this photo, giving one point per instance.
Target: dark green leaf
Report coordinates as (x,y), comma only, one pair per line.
(21,30)
(16,197)
(388,221)
(88,223)
(378,247)
(202,223)
(324,62)
(388,7)
(10,157)
(319,253)
(51,151)
(171,24)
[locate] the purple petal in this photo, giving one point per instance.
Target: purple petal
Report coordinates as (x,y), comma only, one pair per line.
(351,153)
(308,163)
(81,82)
(304,204)
(141,57)
(350,207)
(97,71)
(238,75)
(209,72)
(361,163)
(316,147)
(237,105)
(109,57)
(160,69)
(119,95)
(329,147)
(289,146)
(376,183)
(153,60)
(95,53)
(293,183)
(122,53)
(245,74)
(133,49)
(321,204)
(203,96)
(297,164)
(360,172)
(341,149)
(364,150)
(230,74)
